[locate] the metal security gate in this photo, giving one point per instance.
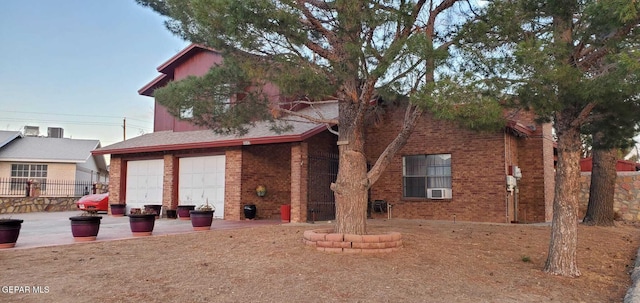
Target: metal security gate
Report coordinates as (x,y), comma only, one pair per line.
(323,170)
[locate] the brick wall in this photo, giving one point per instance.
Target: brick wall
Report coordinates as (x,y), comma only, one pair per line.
(535,195)
(115,172)
(233,184)
(299,181)
(169,183)
(267,165)
(479,166)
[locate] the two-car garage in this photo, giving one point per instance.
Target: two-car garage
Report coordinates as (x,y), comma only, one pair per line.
(200,179)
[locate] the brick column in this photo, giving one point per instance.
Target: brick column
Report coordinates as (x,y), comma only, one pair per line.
(233,184)
(299,181)
(170,183)
(115,178)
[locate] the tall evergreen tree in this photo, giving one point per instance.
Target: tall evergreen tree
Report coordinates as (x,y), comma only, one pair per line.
(347,51)
(610,132)
(563,58)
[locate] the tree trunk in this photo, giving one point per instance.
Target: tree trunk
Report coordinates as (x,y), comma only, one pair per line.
(603,185)
(564,229)
(351,187)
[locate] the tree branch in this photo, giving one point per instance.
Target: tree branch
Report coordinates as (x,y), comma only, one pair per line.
(412,113)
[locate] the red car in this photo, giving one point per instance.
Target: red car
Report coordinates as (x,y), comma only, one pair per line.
(98,202)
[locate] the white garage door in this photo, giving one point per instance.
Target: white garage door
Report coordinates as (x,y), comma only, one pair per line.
(144,183)
(201,179)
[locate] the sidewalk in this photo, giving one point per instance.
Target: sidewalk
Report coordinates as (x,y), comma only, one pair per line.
(54,228)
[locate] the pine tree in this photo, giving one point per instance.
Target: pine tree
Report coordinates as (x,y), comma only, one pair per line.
(562,58)
(346,51)
(611,132)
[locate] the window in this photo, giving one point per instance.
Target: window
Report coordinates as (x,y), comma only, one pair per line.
(186,112)
(21,173)
(423,172)
(220,102)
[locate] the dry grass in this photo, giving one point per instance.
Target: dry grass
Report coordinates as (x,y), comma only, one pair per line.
(440,262)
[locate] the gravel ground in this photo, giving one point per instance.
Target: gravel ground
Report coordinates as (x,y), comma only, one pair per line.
(440,262)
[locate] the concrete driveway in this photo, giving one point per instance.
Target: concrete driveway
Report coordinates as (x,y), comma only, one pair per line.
(54,228)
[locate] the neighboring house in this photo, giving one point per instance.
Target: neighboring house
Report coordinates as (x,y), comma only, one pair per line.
(49,159)
(443,173)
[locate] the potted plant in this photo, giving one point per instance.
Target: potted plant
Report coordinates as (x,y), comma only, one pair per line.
(118,210)
(183,211)
(9,232)
(172,214)
(85,227)
(142,222)
(154,208)
(202,217)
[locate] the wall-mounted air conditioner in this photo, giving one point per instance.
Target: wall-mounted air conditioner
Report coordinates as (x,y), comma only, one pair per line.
(439,193)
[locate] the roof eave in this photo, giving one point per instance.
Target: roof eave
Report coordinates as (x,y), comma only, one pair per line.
(148,89)
(214,144)
(192,47)
(11,138)
(42,160)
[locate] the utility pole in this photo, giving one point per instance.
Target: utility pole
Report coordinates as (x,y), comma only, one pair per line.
(124,128)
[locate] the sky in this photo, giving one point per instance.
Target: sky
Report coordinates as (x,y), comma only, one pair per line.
(78,65)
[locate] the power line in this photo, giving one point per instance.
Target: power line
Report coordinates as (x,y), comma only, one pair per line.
(88,123)
(65,114)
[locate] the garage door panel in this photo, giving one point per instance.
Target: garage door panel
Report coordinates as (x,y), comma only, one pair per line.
(201,179)
(144,183)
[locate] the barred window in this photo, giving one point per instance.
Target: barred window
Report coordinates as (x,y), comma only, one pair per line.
(21,173)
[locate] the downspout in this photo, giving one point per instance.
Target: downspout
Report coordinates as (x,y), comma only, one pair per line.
(516,191)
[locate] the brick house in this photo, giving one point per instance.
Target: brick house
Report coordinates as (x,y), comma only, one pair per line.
(180,163)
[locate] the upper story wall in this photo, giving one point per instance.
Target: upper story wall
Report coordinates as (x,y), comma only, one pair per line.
(195,65)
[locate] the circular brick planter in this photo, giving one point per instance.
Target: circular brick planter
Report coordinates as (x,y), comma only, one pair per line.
(326,240)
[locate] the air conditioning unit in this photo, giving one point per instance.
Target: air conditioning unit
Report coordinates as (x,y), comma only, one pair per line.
(55,132)
(439,193)
(31,131)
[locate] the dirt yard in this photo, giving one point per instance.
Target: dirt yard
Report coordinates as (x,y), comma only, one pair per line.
(440,262)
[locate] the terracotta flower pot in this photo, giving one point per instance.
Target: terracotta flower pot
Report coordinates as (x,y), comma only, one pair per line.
(201,219)
(183,211)
(85,228)
(9,232)
(142,224)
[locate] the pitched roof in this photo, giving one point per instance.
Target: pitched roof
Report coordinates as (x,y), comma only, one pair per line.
(179,58)
(7,136)
(45,149)
(260,133)
(167,69)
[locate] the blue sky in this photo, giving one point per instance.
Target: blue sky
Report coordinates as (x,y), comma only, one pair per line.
(78,64)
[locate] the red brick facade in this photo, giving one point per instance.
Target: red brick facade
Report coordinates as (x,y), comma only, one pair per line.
(480,162)
(282,168)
